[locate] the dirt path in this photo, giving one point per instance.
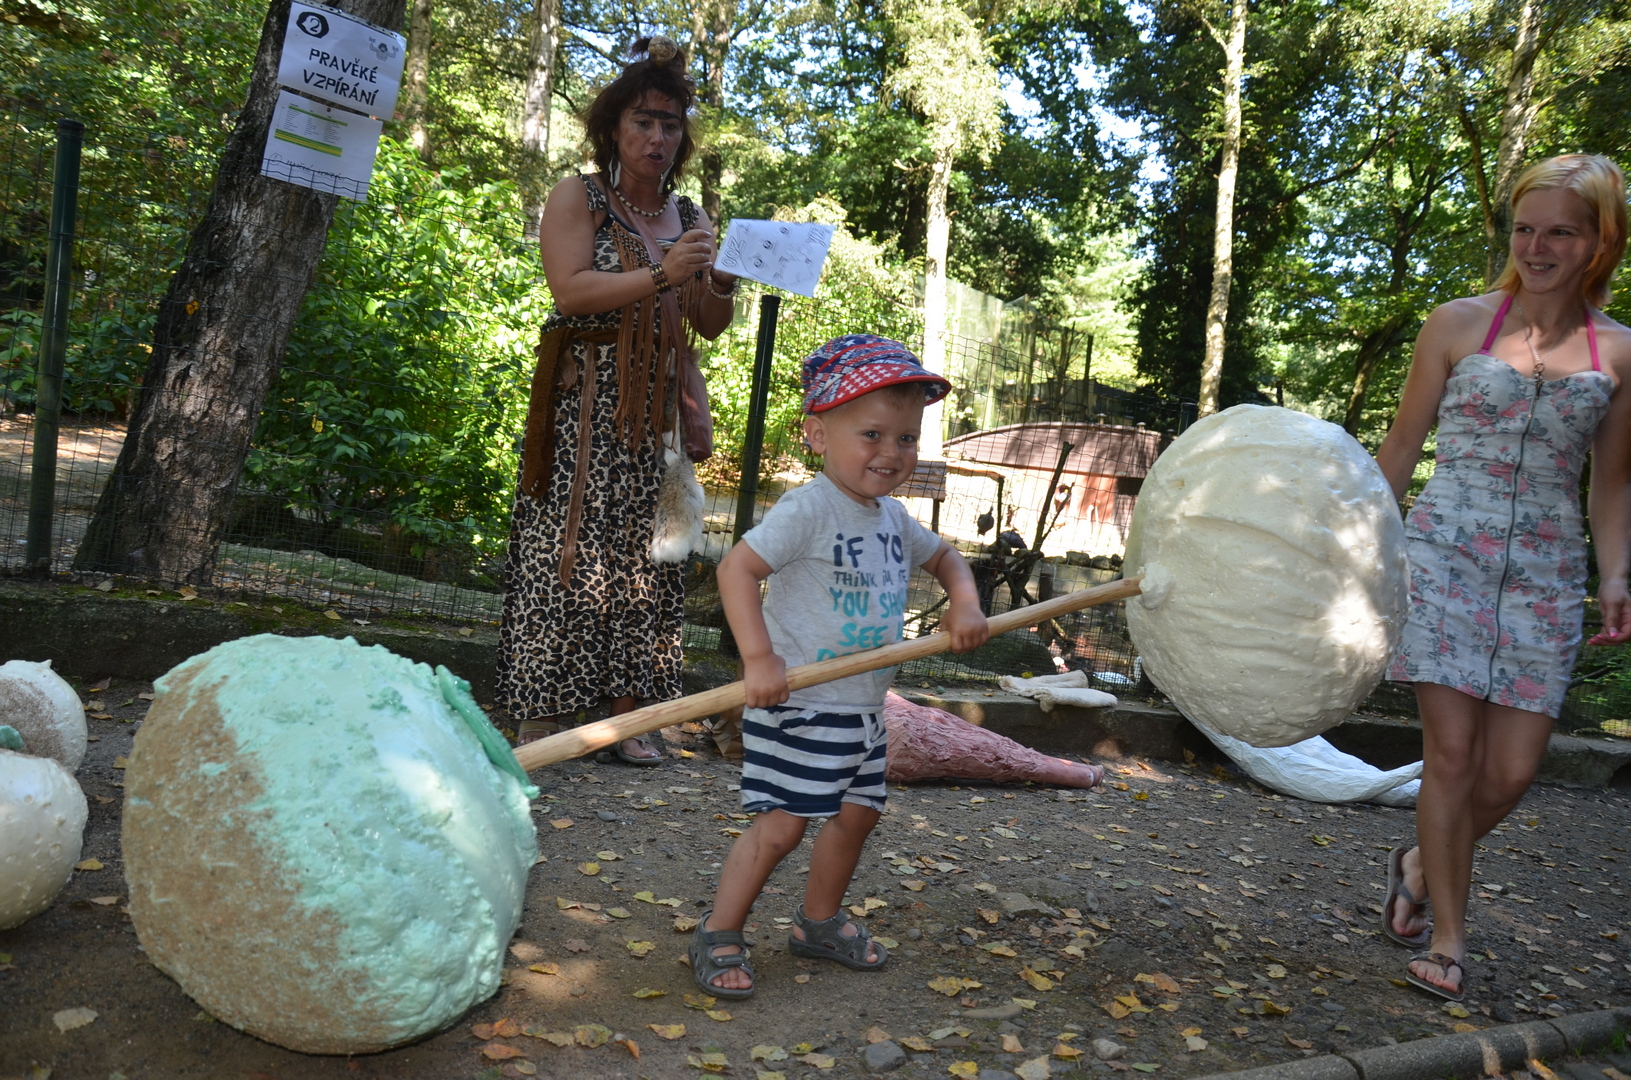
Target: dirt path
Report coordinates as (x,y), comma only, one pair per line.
(1245,924)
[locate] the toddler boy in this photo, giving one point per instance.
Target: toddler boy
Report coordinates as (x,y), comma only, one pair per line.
(839,553)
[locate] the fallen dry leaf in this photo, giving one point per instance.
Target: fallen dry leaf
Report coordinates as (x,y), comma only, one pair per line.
(684,924)
(952,985)
(876,1034)
(1301,1044)
(820,1061)
(591,1035)
(964,1070)
(717,1014)
(990,915)
(766,1052)
(651,898)
(88,864)
(1117,1010)
(699,1001)
(588,869)
(916,1042)
(619,913)
(562,823)
(912,884)
(707,1062)
(557,1038)
(1161,981)
(497,1051)
(1034,1069)
(999,950)
(668,1031)
(647,992)
(1194,1043)
(640,948)
(69,1019)
(1066,1052)
(104,901)
(545,969)
(1037,981)
(1012,1045)
(575,945)
(801,978)
(121,762)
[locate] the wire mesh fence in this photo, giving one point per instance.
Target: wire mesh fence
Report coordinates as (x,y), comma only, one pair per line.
(381,469)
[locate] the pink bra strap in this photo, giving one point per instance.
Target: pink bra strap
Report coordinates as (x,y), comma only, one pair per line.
(1591,339)
(1495,326)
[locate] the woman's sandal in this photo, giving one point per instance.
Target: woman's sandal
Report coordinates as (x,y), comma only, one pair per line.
(1396,891)
(529,730)
(826,940)
(605,757)
(1445,963)
(705,966)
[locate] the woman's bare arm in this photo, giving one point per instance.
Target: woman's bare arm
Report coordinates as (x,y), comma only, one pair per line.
(568,247)
(1442,341)
(1609,503)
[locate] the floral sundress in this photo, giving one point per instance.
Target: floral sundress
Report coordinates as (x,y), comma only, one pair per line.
(1496,542)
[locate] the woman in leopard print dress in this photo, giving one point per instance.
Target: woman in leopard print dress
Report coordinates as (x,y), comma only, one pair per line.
(587,615)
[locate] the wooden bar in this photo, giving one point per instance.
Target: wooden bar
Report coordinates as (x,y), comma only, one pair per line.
(575,742)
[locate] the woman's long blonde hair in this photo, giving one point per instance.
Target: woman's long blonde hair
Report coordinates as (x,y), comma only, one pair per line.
(1601,186)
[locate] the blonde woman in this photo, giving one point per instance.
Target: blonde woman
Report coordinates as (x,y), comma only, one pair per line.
(1522,382)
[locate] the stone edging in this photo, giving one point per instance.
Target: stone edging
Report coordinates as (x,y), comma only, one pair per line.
(1477,1053)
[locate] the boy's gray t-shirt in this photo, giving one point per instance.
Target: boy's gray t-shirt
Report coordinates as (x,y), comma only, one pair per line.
(838,585)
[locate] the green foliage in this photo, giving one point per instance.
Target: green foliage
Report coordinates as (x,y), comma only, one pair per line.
(403,395)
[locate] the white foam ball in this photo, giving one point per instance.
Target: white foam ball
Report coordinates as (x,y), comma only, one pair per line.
(44,709)
(320,847)
(42,826)
(1273,556)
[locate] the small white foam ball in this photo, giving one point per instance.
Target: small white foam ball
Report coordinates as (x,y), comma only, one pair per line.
(1275,582)
(44,709)
(42,825)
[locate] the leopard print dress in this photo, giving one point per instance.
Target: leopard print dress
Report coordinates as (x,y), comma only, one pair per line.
(616,631)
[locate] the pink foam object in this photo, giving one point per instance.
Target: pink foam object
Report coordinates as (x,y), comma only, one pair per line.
(927,743)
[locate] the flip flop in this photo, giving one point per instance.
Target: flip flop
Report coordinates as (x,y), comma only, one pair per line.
(539,728)
(617,751)
(1396,891)
(1445,963)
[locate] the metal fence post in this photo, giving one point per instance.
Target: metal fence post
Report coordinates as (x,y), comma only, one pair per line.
(59,259)
(753,441)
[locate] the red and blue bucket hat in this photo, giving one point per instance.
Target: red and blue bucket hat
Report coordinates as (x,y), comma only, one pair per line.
(846,367)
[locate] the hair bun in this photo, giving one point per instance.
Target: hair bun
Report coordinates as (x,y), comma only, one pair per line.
(658,48)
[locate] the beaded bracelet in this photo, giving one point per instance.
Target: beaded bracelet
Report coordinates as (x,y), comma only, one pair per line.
(659,277)
(728,294)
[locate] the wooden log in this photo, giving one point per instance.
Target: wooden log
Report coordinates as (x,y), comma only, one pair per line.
(575,742)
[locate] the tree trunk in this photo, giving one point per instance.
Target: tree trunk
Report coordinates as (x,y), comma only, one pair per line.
(1223,230)
(934,277)
(535,105)
(1371,350)
(416,78)
(1517,116)
(217,346)
(712,22)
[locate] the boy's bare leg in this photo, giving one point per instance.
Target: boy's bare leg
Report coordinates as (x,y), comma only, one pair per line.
(832,864)
(754,855)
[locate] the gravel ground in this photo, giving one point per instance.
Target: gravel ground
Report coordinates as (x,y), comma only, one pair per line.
(1180,920)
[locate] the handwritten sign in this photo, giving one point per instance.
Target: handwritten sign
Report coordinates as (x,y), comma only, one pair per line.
(341,59)
(786,254)
(321,147)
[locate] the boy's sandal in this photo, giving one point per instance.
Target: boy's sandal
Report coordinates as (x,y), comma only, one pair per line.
(528,730)
(826,940)
(1396,891)
(705,966)
(1445,963)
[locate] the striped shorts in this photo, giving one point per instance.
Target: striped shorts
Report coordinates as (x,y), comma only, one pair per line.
(807,762)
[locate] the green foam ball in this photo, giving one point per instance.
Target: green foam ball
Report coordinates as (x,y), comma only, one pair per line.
(327,845)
